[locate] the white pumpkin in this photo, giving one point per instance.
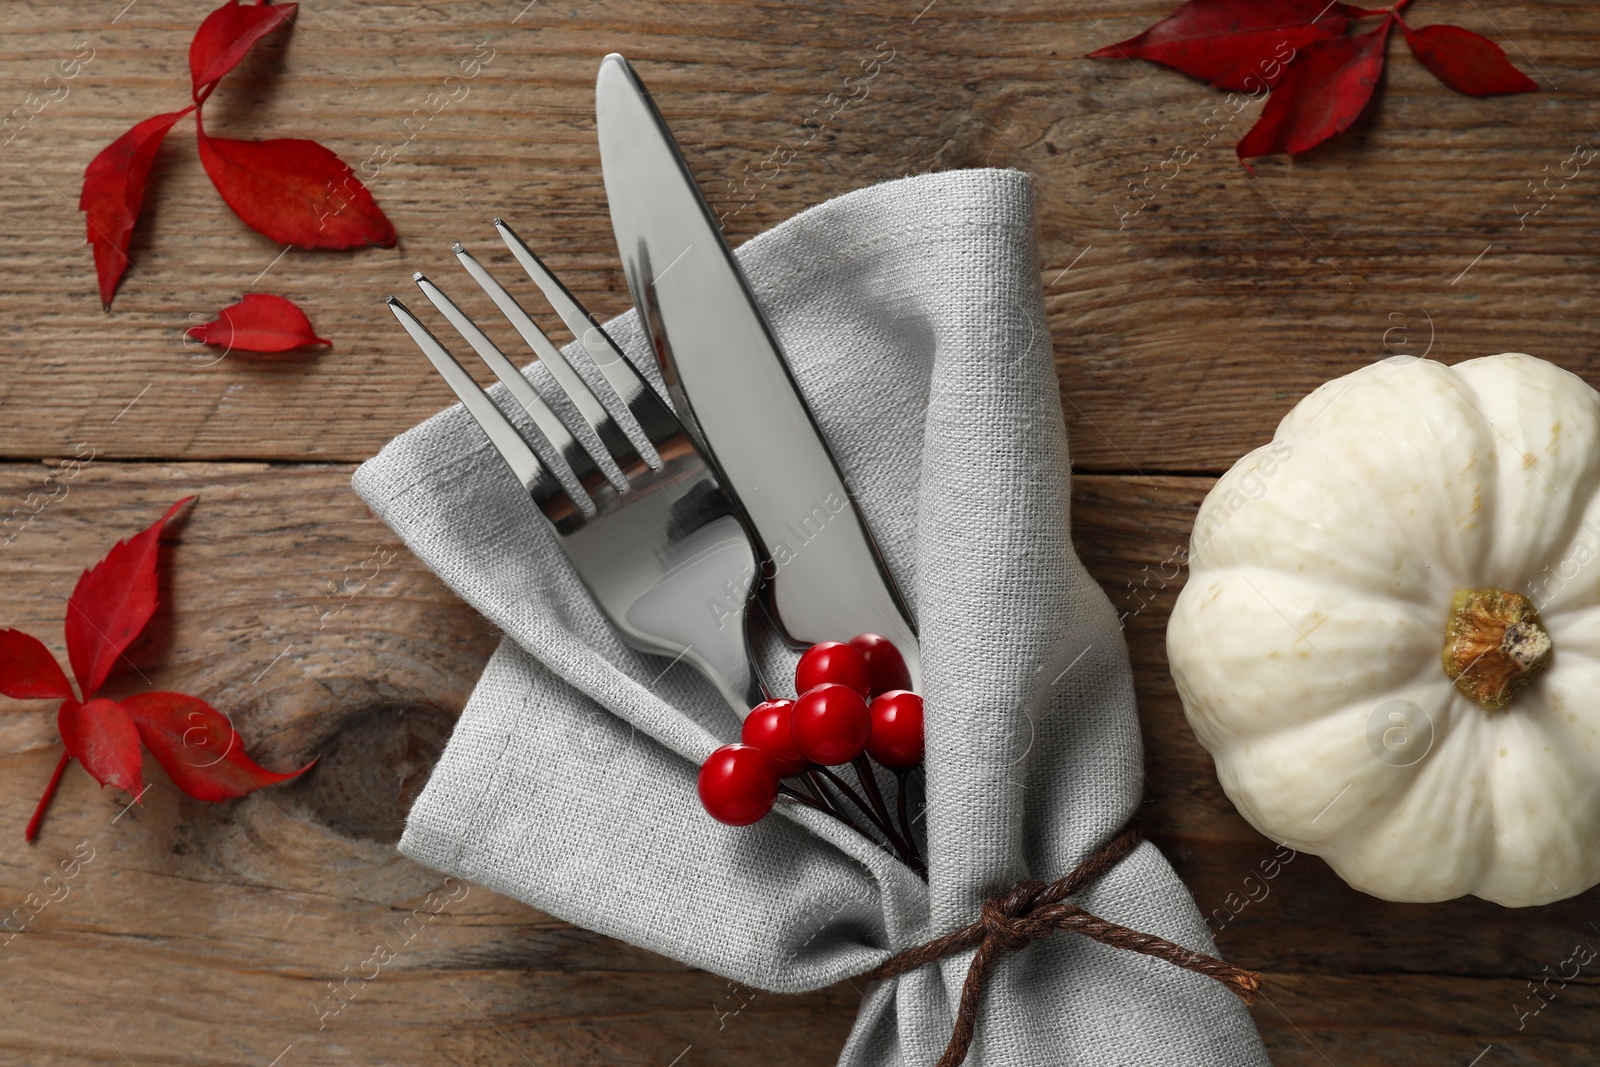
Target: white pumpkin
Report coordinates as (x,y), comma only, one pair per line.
(1409,518)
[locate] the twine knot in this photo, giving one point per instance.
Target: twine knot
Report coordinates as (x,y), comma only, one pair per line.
(1005,918)
(1033,910)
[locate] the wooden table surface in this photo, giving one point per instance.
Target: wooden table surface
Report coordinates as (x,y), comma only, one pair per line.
(209,933)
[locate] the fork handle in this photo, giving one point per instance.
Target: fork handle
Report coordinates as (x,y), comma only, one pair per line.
(694,608)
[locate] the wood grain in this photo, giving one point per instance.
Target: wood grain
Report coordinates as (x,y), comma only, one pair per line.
(209,934)
(1182,332)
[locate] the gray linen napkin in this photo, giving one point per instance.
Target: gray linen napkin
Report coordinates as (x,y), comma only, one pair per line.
(913,317)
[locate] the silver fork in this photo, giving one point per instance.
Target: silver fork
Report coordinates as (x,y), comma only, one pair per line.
(655,538)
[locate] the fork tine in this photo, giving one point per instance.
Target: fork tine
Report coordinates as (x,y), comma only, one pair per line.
(594,413)
(657,422)
(589,333)
(530,472)
(567,446)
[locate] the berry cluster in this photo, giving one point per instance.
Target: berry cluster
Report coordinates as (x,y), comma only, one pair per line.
(854,706)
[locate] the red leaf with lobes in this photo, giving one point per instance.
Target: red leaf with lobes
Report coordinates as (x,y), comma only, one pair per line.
(101,736)
(27,669)
(113,192)
(196,744)
(111,603)
(261,322)
(1320,95)
(295,191)
(1234,44)
(226,35)
(198,747)
(1467,62)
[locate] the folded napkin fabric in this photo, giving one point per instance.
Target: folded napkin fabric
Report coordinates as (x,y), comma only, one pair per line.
(912,317)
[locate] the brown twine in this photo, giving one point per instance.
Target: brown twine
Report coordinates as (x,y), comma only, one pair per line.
(1032,911)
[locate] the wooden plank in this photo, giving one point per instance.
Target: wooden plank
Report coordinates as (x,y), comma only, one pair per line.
(214,929)
(1183,332)
(225,933)
(206,933)
(1132,534)
(1382,1020)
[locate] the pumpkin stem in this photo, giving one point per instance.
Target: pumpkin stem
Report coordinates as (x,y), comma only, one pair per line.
(1494,645)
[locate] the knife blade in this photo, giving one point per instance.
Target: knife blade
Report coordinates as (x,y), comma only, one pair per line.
(823,578)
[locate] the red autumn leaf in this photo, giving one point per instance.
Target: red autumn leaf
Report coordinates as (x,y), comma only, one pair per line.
(27,669)
(196,744)
(1467,62)
(226,35)
(1234,44)
(111,603)
(1320,95)
(261,322)
(101,736)
(295,191)
(198,747)
(113,192)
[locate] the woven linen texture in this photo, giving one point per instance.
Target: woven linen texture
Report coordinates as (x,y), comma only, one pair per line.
(913,318)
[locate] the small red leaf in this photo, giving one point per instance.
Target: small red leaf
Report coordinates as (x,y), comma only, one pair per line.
(1234,44)
(113,192)
(111,603)
(102,737)
(226,35)
(1467,62)
(1320,95)
(198,747)
(261,322)
(27,669)
(295,191)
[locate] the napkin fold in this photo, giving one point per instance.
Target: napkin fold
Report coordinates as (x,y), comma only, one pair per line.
(912,316)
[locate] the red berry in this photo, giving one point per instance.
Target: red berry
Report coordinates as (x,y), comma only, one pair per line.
(896,740)
(835,662)
(767,728)
(831,724)
(884,662)
(738,785)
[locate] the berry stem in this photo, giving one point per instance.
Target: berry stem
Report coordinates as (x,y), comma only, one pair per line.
(869,784)
(803,797)
(44,802)
(812,787)
(861,805)
(900,778)
(806,786)
(833,808)
(909,859)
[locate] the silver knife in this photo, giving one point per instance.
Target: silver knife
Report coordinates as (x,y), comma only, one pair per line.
(824,577)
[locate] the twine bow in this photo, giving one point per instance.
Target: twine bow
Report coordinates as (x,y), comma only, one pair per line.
(1034,910)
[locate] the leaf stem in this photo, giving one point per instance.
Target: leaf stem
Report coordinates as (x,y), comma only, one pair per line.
(32,831)
(1372,12)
